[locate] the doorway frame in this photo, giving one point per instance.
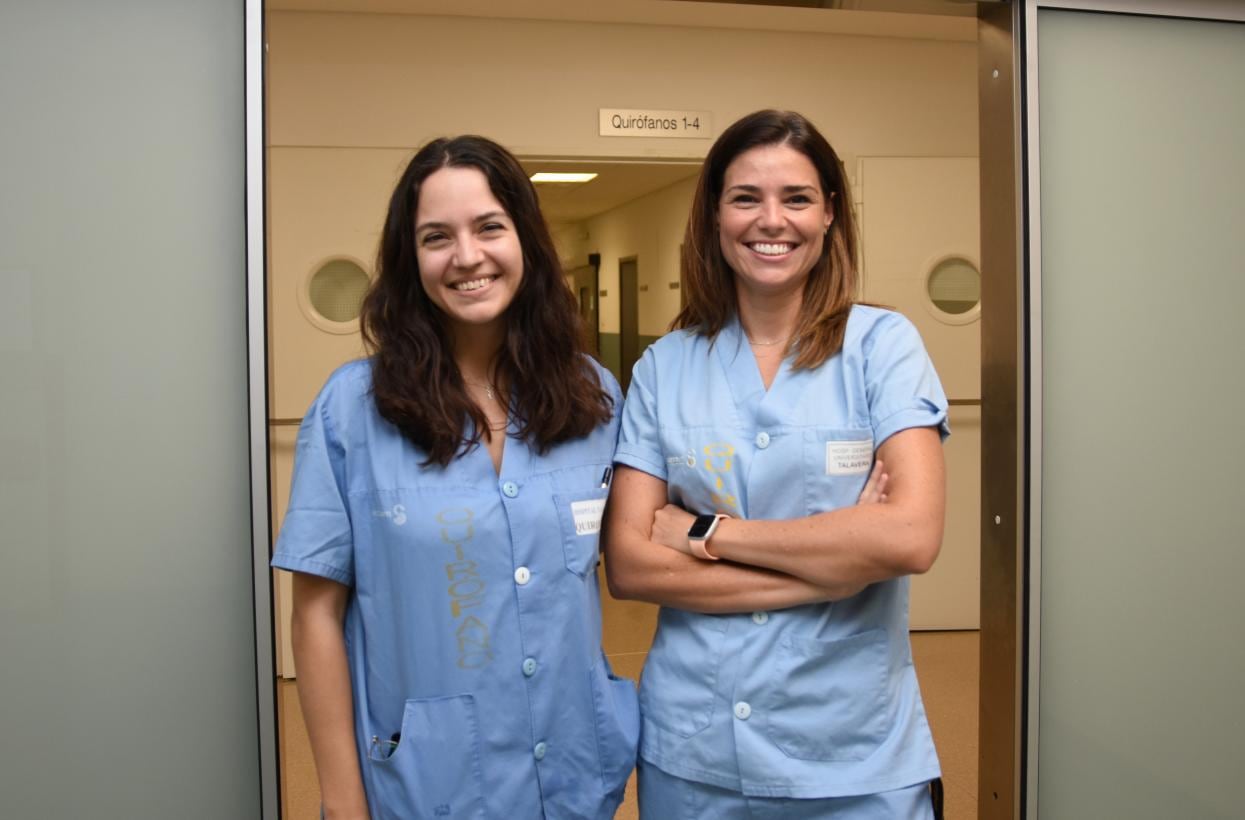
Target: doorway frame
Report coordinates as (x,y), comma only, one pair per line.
(1004,429)
(267,724)
(1000,772)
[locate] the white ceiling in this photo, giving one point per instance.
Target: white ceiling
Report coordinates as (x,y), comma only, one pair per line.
(617,183)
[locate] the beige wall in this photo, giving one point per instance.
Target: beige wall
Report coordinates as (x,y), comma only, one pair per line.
(399,80)
(650,229)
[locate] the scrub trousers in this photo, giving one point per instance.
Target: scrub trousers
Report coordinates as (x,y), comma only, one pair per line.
(666,797)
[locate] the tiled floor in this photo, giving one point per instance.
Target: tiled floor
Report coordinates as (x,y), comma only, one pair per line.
(946,664)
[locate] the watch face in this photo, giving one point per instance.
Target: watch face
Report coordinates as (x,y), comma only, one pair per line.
(701,526)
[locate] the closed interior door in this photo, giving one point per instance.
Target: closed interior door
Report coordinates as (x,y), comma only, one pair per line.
(628,319)
(318,265)
(920,236)
(1141,506)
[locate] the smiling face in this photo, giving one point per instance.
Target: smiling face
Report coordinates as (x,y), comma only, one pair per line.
(772,220)
(470,259)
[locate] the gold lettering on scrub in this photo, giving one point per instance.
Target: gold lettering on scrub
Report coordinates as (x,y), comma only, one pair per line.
(465,589)
(718,461)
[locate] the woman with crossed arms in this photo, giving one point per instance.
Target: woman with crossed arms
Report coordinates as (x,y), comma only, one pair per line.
(780,681)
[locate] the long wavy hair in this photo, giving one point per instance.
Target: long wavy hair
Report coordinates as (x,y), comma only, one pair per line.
(830,290)
(556,393)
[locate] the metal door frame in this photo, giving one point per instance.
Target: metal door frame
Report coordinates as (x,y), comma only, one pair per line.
(257,415)
(1003,424)
(1000,785)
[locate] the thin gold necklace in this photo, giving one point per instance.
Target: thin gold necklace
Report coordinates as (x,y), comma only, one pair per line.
(761,343)
(489,390)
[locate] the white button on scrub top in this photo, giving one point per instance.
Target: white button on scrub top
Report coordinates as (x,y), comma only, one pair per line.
(742,710)
(510,489)
(762,440)
(539,750)
(522,575)
(760,617)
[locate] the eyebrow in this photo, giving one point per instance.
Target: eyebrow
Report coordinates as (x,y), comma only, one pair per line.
(423,226)
(786,189)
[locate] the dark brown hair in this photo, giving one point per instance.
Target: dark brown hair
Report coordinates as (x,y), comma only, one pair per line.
(831,288)
(557,394)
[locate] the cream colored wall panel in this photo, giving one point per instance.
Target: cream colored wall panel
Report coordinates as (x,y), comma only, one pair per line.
(956,350)
(913,212)
(324,203)
(536,86)
(916,211)
(281,444)
(949,595)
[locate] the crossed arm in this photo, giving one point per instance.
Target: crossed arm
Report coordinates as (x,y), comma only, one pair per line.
(773,564)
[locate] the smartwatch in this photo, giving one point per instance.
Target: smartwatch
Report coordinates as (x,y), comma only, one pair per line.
(700,532)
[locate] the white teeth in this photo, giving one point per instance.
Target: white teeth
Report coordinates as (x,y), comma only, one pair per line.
(473,284)
(771,248)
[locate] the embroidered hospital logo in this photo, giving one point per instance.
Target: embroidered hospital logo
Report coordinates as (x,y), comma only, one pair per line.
(397,514)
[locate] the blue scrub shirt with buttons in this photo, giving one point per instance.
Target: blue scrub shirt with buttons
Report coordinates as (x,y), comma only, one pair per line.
(473,629)
(808,702)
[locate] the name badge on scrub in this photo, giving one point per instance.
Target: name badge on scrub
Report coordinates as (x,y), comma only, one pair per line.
(849,457)
(587,515)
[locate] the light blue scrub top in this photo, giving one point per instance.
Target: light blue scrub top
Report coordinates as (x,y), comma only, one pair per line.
(473,629)
(813,701)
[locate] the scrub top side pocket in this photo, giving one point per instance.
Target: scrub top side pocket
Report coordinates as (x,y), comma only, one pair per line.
(678,687)
(580,519)
(830,699)
(837,462)
(434,772)
(618,725)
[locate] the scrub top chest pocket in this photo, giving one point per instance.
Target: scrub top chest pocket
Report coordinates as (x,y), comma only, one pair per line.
(837,461)
(579,517)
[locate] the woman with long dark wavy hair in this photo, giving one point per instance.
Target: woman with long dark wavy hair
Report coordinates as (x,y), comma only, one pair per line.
(443,523)
(780,681)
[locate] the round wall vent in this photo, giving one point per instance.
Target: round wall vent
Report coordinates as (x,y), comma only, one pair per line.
(953,290)
(332,297)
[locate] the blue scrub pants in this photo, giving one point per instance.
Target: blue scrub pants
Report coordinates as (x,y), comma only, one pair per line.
(666,797)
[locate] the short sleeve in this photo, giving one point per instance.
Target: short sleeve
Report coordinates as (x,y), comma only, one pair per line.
(639,444)
(901,385)
(315,535)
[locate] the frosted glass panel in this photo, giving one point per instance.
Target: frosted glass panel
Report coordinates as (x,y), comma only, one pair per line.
(1143,506)
(127,682)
